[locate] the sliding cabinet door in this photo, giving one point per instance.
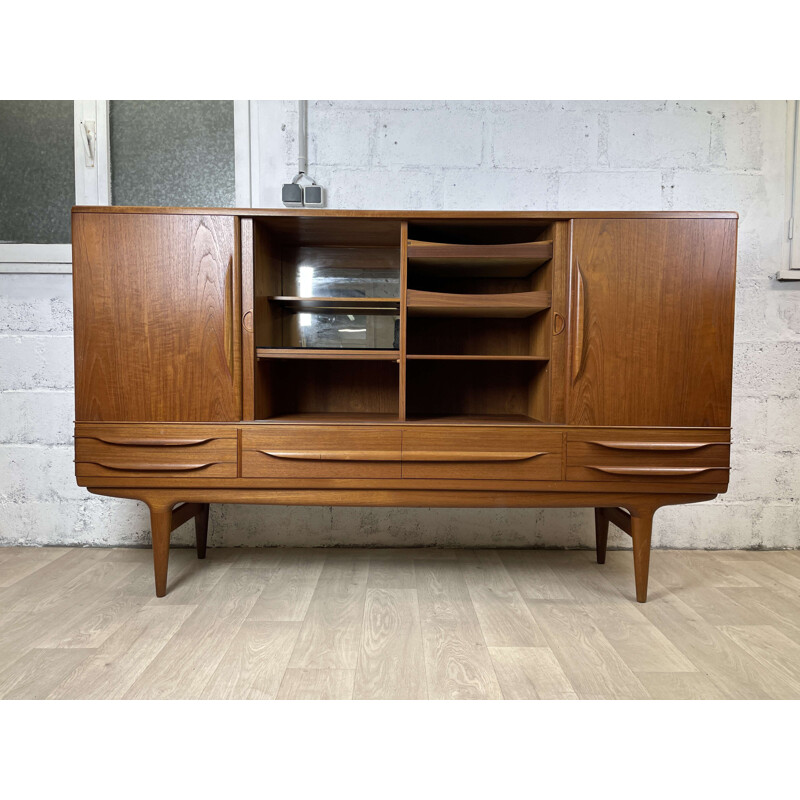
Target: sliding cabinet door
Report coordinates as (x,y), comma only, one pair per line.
(157,307)
(652,322)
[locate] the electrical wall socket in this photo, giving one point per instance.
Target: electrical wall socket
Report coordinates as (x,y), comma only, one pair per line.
(292,195)
(313,196)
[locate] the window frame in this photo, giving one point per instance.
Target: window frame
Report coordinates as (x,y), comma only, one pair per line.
(791,242)
(93,184)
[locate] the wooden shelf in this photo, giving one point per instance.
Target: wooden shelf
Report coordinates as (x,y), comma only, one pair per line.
(332,418)
(442,304)
(342,355)
(473,419)
(341,305)
(498,260)
(542,359)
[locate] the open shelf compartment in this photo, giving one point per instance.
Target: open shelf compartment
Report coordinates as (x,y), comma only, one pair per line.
(480,291)
(501,391)
(346,330)
(322,283)
(481,337)
(318,388)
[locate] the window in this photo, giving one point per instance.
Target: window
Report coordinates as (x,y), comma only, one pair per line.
(172,153)
(60,153)
(792,243)
(37,188)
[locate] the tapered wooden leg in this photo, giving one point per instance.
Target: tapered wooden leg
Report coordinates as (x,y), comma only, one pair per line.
(600,534)
(641,532)
(201,530)
(161,526)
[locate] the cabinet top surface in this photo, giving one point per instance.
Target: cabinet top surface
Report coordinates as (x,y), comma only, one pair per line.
(410,215)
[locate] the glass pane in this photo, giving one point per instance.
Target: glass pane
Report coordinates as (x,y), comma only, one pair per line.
(37,171)
(341,282)
(172,153)
(346,331)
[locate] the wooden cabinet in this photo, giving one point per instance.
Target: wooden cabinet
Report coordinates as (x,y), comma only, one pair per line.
(652,321)
(454,359)
(157,320)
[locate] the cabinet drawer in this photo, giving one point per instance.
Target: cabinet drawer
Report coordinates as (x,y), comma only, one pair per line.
(475,453)
(684,456)
(320,451)
(155,451)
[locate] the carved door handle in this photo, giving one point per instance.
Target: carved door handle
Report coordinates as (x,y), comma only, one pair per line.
(580,323)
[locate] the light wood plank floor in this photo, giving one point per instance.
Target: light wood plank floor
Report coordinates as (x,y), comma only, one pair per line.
(392,624)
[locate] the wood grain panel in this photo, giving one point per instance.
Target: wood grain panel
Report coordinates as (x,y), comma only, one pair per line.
(156,318)
(652,322)
(474,454)
(307,451)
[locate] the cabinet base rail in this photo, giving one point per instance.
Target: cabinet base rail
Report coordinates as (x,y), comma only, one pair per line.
(631,512)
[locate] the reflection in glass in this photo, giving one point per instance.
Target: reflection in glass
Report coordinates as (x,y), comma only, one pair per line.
(307,281)
(342,331)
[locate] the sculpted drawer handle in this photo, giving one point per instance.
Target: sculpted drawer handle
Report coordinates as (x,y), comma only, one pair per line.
(334,455)
(664,472)
(660,446)
(425,455)
(134,467)
(149,442)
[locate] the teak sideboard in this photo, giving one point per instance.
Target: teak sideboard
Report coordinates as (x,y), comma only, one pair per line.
(387,358)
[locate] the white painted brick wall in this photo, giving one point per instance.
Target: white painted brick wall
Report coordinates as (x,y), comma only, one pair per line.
(627,155)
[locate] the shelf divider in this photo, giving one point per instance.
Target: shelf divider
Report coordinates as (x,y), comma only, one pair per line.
(332,354)
(443,304)
(445,357)
(359,305)
(501,260)
(473,419)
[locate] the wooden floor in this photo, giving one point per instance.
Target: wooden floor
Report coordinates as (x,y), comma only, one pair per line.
(277,623)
